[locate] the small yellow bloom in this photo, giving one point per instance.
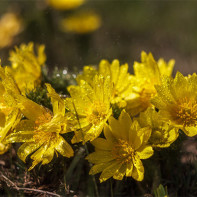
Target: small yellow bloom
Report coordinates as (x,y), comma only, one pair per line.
(121,152)
(90,108)
(119,77)
(81,23)
(163,134)
(41,131)
(177,102)
(10,115)
(26,65)
(65,4)
(10,26)
(147,74)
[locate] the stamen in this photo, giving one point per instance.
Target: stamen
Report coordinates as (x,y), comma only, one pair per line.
(97,113)
(186,112)
(123,151)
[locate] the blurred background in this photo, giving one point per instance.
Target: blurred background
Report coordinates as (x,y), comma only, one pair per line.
(83,32)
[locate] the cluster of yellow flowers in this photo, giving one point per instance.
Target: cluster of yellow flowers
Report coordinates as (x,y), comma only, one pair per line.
(153,104)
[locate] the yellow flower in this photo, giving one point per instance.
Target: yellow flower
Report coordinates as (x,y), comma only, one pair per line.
(65,4)
(81,22)
(119,76)
(26,65)
(41,131)
(10,26)
(90,108)
(10,115)
(177,102)
(147,74)
(163,134)
(121,152)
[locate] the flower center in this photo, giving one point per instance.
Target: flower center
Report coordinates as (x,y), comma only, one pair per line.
(97,113)
(45,118)
(44,137)
(146,95)
(123,151)
(186,112)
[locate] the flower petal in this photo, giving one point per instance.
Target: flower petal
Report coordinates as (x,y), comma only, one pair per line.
(190,131)
(57,102)
(63,147)
(100,157)
(101,143)
(145,152)
(99,167)
(26,149)
(110,171)
(119,174)
(108,134)
(21,136)
(129,169)
(138,169)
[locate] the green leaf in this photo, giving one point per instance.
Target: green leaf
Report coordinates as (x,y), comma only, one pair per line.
(161,191)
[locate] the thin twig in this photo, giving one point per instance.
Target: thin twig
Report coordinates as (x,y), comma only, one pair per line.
(14,186)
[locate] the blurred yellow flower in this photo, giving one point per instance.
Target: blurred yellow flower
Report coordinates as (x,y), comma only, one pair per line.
(177,102)
(26,65)
(10,26)
(163,134)
(119,77)
(90,108)
(10,115)
(121,152)
(81,22)
(146,75)
(65,4)
(41,131)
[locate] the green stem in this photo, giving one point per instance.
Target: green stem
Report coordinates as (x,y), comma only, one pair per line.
(157,176)
(93,177)
(87,152)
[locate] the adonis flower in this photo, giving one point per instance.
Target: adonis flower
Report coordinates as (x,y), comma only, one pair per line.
(65,4)
(82,22)
(90,108)
(177,102)
(10,115)
(121,152)
(147,74)
(163,134)
(41,131)
(119,77)
(26,65)
(10,26)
